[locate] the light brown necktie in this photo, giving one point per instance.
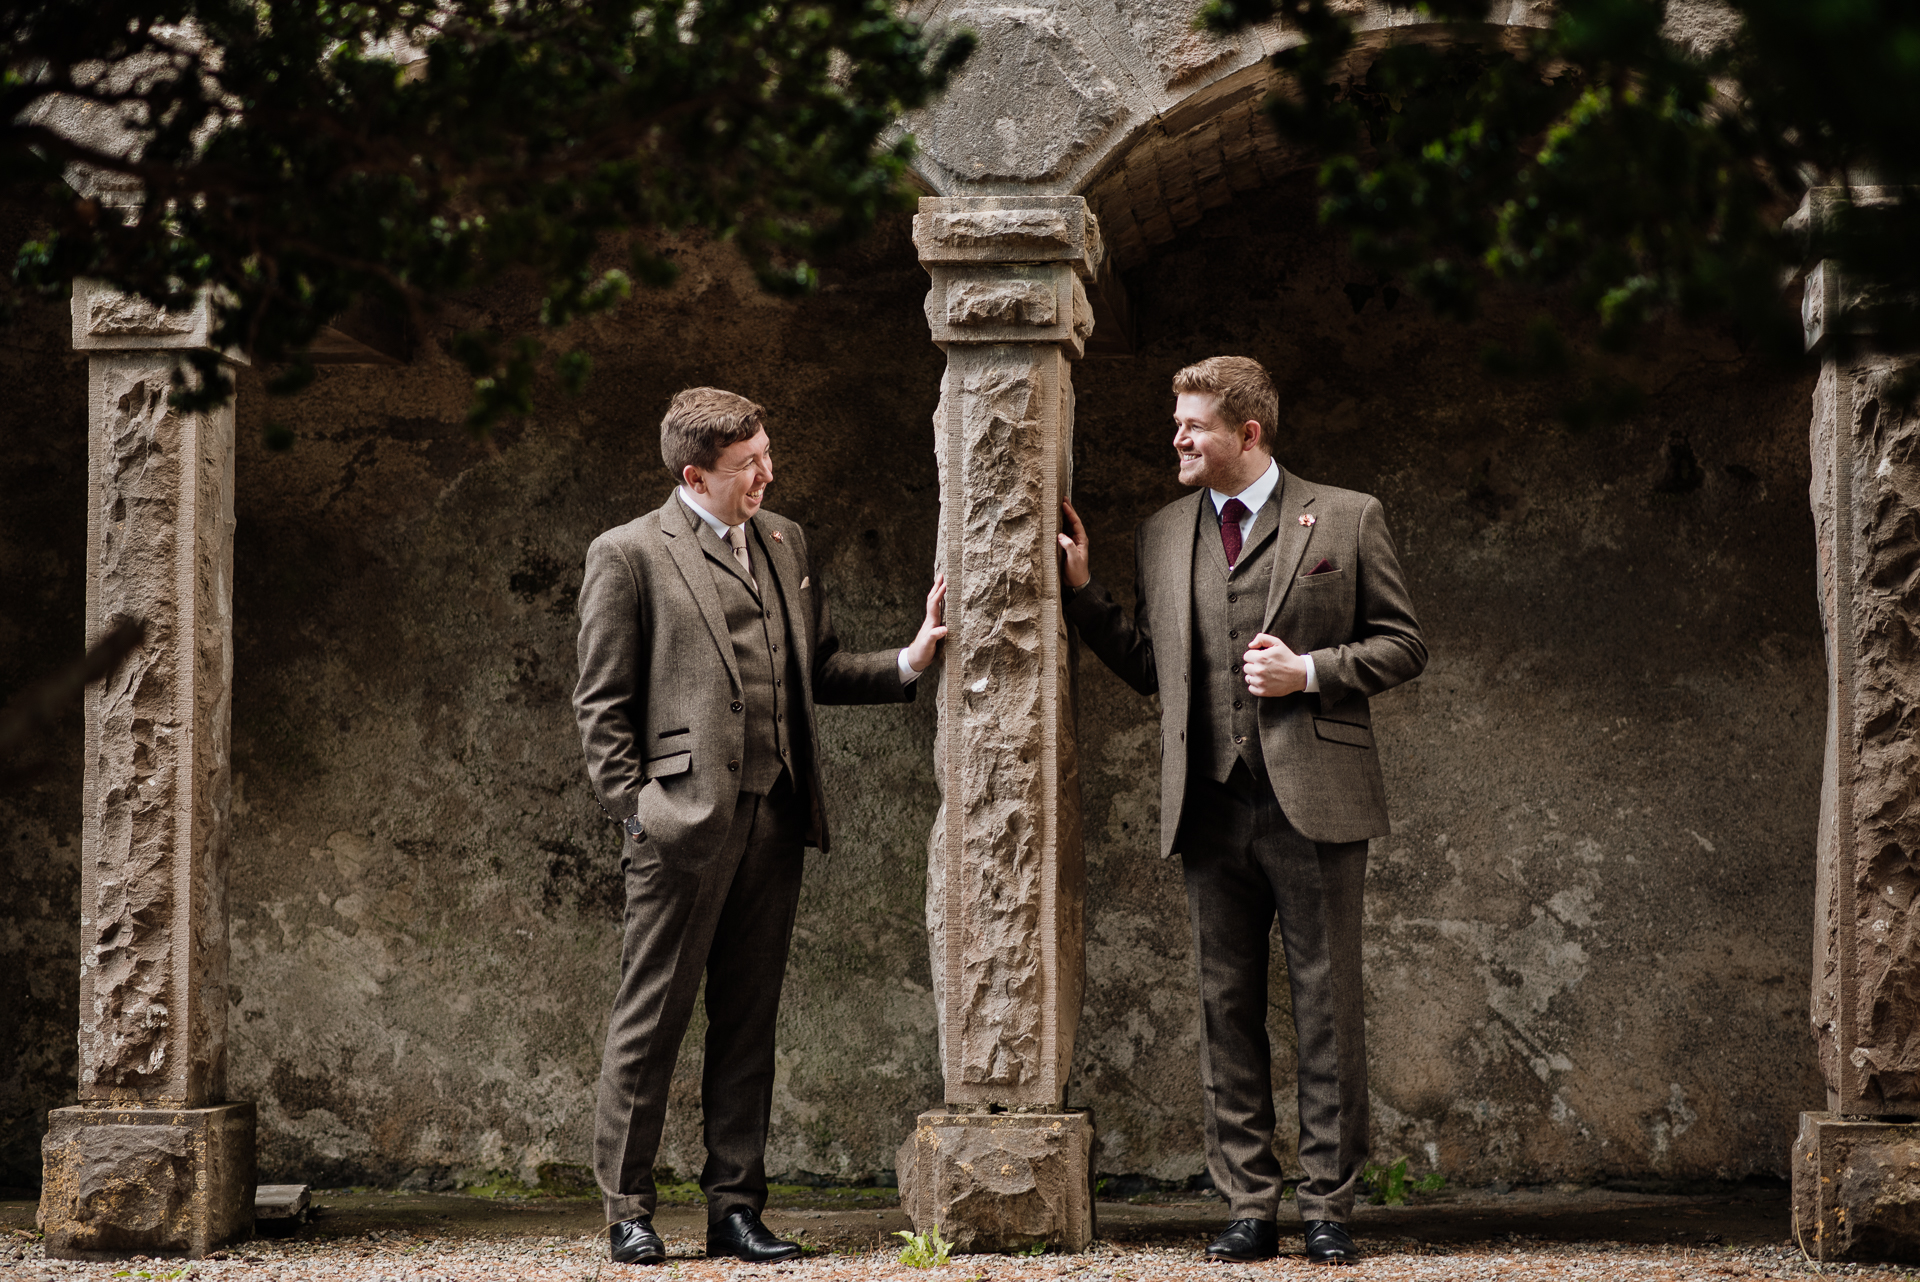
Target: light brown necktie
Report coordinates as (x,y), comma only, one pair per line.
(737,537)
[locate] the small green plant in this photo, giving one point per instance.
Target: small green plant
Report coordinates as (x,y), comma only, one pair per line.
(925,1250)
(1388,1185)
(1038,1248)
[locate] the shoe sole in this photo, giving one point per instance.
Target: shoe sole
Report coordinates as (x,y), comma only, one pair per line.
(647,1258)
(765,1259)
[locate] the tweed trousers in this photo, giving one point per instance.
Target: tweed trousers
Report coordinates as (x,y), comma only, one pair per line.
(1245,865)
(727,912)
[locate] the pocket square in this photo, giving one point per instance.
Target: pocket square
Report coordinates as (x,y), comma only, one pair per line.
(806,582)
(1324,567)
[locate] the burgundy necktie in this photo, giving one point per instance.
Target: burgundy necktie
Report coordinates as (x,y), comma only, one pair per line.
(1230,517)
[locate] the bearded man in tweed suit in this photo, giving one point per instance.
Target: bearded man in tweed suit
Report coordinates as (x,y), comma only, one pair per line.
(1268,610)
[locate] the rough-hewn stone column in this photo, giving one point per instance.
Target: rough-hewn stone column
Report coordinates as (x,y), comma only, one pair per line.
(1856,1167)
(153,1161)
(1004,1165)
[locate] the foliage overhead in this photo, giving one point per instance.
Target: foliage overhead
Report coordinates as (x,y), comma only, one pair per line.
(295,155)
(1600,156)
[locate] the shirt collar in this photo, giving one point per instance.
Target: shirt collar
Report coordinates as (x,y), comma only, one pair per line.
(1255,496)
(719,527)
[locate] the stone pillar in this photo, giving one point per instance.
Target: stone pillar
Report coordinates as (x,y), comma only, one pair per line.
(153,1161)
(1004,1165)
(1856,1167)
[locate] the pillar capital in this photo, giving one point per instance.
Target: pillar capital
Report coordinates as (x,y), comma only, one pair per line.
(107,320)
(1836,301)
(1009,269)
(952,230)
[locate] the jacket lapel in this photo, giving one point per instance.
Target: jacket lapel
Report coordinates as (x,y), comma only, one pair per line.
(1292,499)
(680,528)
(784,567)
(1173,566)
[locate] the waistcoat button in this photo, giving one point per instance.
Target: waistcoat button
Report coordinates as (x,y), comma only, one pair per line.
(737,705)
(733,765)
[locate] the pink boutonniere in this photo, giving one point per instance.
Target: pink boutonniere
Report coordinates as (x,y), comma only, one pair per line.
(1306,518)
(777,538)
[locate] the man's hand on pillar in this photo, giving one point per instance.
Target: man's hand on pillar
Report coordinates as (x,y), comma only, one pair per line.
(1073,550)
(932,629)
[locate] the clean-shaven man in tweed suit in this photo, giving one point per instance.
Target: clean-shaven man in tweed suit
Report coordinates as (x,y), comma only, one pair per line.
(1268,610)
(705,643)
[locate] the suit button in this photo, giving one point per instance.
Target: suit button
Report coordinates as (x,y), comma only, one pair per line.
(1232,597)
(1183,736)
(1233,636)
(1236,669)
(1239,738)
(737,705)
(1236,705)
(733,765)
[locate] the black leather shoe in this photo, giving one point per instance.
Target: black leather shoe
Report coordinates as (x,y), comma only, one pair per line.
(1247,1240)
(1328,1243)
(742,1236)
(634,1242)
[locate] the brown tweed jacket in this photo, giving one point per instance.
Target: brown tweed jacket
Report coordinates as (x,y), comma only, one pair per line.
(658,696)
(1355,619)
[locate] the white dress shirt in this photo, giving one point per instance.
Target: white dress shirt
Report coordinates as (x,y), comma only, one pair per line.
(724,532)
(1255,497)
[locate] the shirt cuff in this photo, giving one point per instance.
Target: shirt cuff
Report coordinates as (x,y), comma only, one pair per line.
(1313,678)
(907,675)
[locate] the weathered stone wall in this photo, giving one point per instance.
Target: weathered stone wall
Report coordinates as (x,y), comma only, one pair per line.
(1588,940)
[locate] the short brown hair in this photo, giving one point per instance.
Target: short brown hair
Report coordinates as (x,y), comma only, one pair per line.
(1243,386)
(700,423)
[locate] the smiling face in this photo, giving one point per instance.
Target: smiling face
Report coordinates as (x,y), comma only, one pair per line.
(1213,452)
(734,487)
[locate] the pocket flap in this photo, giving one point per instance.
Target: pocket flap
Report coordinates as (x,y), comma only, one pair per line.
(677,764)
(1343,732)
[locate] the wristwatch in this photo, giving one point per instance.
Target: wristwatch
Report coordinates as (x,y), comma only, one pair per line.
(634,828)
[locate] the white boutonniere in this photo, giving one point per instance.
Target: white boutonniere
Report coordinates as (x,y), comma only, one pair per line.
(1306,518)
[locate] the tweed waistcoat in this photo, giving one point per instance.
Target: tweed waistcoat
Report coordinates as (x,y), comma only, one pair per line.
(1225,721)
(757,626)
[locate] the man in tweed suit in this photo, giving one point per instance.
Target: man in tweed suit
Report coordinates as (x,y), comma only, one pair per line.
(1268,609)
(705,642)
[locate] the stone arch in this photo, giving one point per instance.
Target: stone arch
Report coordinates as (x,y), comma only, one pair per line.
(1123,103)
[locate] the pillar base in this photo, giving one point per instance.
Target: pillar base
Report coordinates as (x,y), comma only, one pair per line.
(1001,1181)
(154,1182)
(1856,1188)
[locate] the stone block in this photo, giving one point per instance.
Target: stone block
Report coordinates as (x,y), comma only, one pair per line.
(1008,229)
(154,1182)
(1001,1181)
(1028,105)
(106,320)
(1020,303)
(1856,1188)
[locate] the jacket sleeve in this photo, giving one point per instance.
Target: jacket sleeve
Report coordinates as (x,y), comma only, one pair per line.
(610,699)
(1123,644)
(839,677)
(1386,648)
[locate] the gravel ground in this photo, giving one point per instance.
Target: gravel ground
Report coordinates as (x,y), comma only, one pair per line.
(1582,1236)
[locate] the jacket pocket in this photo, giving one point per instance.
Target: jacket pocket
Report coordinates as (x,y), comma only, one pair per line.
(676,764)
(1343,732)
